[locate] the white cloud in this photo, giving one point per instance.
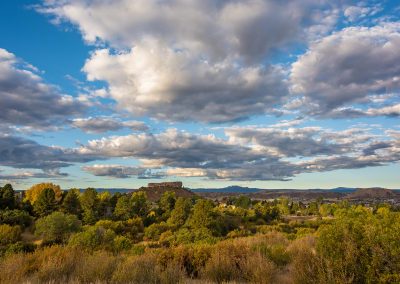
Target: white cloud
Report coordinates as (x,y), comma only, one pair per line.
(251,153)
(103,124)
(26,100)
(118,171)
(174,85)
(348,67)
(193,60)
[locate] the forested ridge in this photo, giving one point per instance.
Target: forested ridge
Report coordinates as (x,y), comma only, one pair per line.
(53,236)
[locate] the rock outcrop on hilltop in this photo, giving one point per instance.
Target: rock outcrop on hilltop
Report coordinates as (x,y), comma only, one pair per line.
(154,191)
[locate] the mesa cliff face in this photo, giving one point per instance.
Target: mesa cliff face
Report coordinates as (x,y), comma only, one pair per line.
(154,191)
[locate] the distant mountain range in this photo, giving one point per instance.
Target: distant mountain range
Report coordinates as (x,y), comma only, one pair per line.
(241,189)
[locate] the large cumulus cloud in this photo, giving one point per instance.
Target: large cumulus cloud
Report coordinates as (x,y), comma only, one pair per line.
(18,152)
(175,85)
(193,60)
(26,100)
(350,66)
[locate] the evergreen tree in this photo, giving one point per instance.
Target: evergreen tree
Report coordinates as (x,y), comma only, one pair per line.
(90,205)
(202,216)
(71,203)
(123,209)
(139,204)
(46,203)
(167,203)
(180,213)
(7,197)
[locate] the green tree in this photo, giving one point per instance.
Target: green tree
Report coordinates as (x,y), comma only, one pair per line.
(243,202)
(361,247)
(167,203)
(139,203)
(180,213)
(15,217)
(90,205)
(46,203)
(57,227)
(7,197)
(93,238)
(123,209)
(71,203)
(202,216)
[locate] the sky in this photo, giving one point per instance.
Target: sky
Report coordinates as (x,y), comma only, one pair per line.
(258,93)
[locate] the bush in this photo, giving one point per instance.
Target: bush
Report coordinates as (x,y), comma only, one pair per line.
(9,234)
(96,268)
(236,261)
(93,238)
(15,217)
(137,269)
(154,231)
(57,227)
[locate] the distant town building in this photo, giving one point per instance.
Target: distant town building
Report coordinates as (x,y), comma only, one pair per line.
(175,184)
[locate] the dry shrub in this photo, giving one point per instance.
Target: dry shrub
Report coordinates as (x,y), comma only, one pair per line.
(190,258)
(236,261)
(15,268)
(305,265)
(171,274)
(44,265)
(55,264)
(137,269)
(96,267)
(272,246)
(258,269)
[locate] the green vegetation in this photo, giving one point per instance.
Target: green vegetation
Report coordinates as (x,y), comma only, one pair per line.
(92,237)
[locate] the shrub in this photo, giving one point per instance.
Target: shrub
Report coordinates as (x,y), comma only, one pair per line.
(236,261)
(93,238)
(122,243)
(57,227)
(15,217)
(9,234)
(154,231)
(137,269)
(96,267)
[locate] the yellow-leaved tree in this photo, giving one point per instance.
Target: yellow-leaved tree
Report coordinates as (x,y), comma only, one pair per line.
(32,193)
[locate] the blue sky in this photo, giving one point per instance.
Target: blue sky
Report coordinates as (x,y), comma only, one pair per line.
(262,93)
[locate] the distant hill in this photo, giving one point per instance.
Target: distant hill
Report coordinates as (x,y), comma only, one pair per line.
(228,189)
(154,193)
(372,193)
(243,189)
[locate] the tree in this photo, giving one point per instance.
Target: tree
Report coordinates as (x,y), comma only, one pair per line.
(202,216)
(243,202)
(71,203)
(15,217)
(32,194)
(7,197)
(105,206)
(167,202)
(123,210)
(180,213)
(57,227)
(45,203)
(140,206)
(90,205)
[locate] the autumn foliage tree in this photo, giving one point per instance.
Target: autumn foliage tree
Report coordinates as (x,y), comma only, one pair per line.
(32,194)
